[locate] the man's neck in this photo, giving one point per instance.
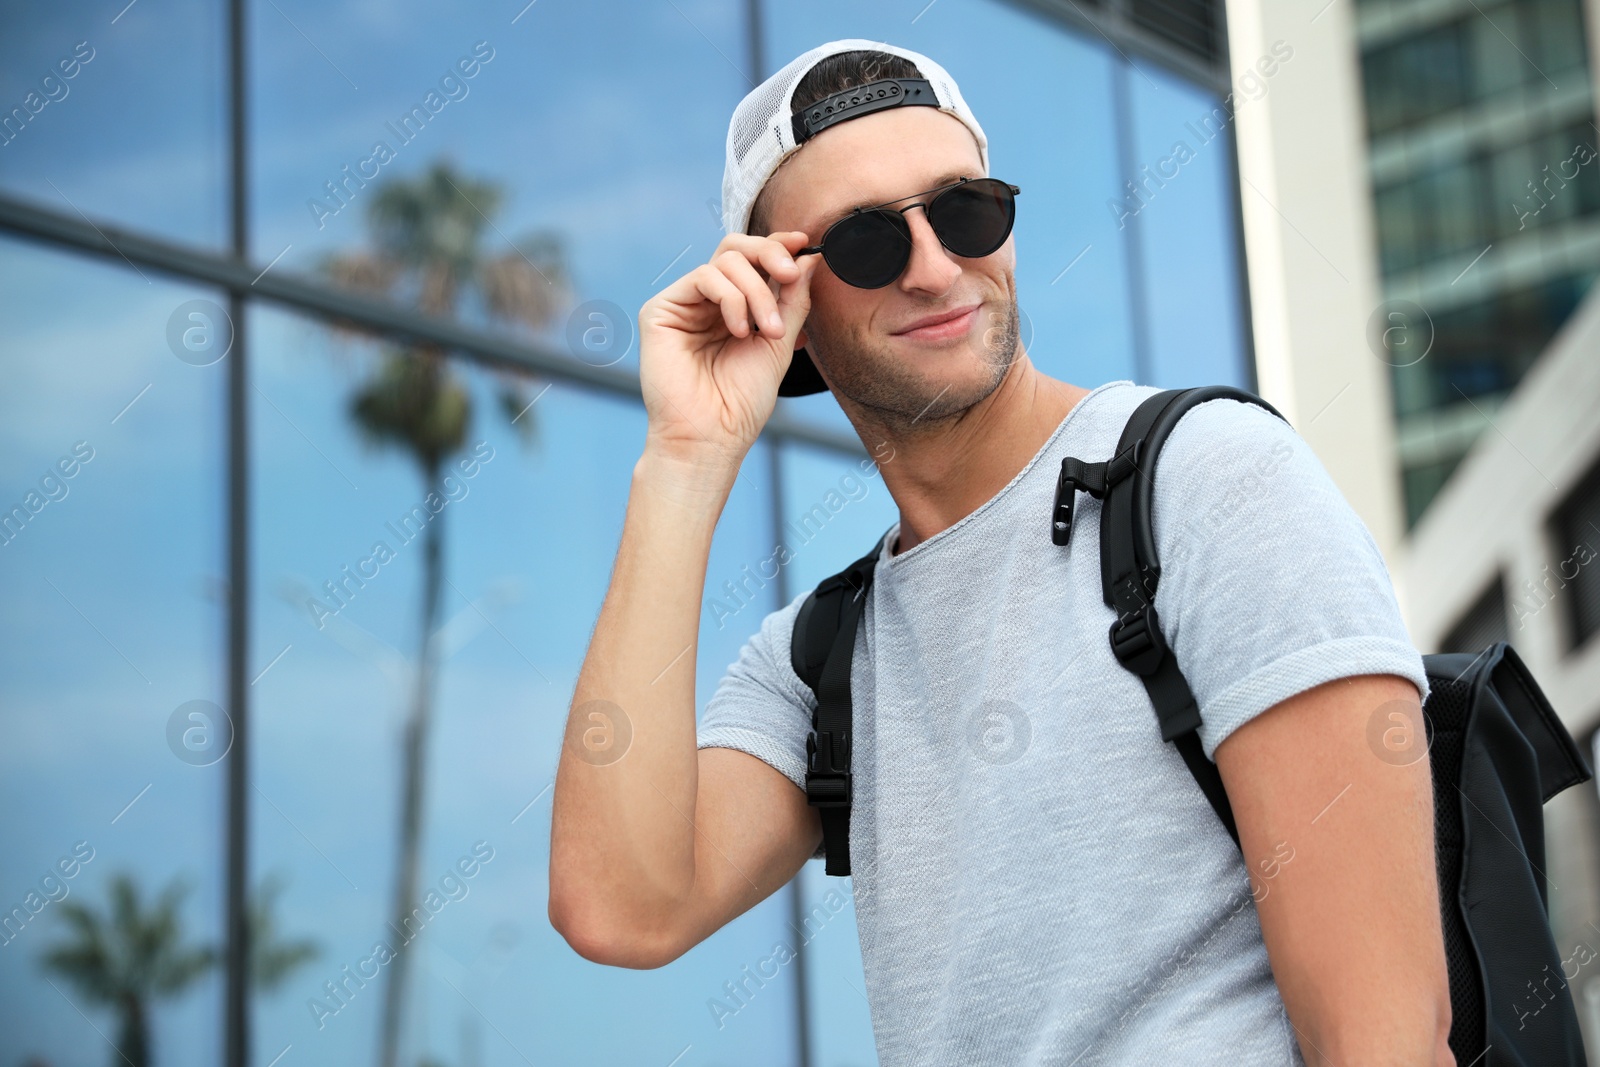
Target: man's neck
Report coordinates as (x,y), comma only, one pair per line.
(940,476)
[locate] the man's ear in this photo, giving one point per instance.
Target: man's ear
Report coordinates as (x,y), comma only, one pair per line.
(800,338)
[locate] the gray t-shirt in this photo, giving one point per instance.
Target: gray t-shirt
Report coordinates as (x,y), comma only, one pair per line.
(1037,878)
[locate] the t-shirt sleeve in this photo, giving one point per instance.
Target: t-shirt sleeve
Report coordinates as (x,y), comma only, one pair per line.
(1270,582)
(761,706)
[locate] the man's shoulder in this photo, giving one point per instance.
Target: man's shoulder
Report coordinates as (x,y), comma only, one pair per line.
(1110,403)
(1217,415)
(1222,434)
(1223,440)
(1224,459)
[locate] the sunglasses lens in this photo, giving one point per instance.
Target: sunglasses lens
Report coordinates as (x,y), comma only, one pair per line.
(974,218)
(869,249)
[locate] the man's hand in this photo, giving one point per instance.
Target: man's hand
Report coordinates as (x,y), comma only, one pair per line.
(1340,849)
(714,345)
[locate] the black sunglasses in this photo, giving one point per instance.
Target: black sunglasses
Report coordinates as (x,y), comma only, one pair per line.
(869,247)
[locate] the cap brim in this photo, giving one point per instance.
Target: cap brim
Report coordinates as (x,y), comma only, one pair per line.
(802,378)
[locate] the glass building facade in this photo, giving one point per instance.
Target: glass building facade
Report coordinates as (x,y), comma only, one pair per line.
(319,406)
(1486,182)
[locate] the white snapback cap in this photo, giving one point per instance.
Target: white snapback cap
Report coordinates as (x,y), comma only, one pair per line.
(764,131)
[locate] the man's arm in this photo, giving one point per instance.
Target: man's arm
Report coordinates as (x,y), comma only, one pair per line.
(653,844)
(652,852)
(1339,844)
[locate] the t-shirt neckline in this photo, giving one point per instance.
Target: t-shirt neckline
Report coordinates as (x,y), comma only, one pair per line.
(885,555)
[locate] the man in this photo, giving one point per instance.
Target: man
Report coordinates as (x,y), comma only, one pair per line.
(1073,899)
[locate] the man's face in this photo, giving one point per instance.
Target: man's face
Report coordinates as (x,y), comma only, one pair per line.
(861,339)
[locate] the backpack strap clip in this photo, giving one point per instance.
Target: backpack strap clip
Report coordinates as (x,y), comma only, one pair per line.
(828,779)
(1096,479)
(1130,572)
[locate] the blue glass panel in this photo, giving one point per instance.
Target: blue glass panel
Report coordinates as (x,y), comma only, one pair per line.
(529,542)
(111,563)
(1186,217)
(601,126)
(118,114)
(835,508)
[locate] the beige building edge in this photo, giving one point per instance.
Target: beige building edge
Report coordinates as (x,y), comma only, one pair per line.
(1308,239)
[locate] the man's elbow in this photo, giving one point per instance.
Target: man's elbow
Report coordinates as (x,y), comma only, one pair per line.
(607,943)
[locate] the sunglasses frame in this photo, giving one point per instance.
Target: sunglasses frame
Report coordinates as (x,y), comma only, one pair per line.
(938,191)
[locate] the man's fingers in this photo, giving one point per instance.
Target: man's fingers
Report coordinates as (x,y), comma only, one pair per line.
(715,286)
(733,280)
(774,253)
(777,255)
(791,291)
(763,306)
(794,298)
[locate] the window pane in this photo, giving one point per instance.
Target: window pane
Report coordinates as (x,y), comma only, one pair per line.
(1381,71)
(1187,231)
(1395,225)
(113,503)
(1457,208)
(1516,197)
(1555,30)
(1482,624)
(1556,166)
(1576,529)
(577,148)
(118,115)
(1578,145)
(528,536)
(1412,80)
(1440,73)
(1492,44)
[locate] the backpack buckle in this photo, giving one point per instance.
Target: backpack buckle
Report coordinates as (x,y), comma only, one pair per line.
(1096,479)
(828,779)
(1136,639)
(1075,474)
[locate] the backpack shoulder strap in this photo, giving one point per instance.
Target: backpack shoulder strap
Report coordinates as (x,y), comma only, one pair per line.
(1130,570)
(820,650)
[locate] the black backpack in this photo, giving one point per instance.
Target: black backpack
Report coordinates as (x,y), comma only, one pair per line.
(1498,752)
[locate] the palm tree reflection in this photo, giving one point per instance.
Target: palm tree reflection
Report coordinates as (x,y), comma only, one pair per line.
(428,237)
(131,955)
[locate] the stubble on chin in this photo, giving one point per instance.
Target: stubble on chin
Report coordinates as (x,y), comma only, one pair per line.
(896,394)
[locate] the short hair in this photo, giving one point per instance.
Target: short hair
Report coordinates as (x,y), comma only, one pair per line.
(834,74)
